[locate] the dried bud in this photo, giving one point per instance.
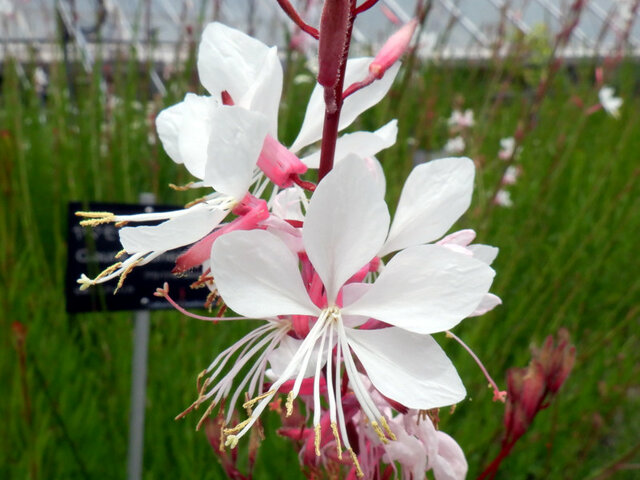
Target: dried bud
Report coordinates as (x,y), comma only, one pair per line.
(334,27)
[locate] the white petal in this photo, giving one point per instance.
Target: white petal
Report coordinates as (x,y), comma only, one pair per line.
(408,368)
(174,233)
(230,60)
(488,303)
(450,462)
(461,237)
(257,276)
(426,289)
(264,93)
(234,146)
(485,253)
(287,204)
(354,105)
(345,225)
(433,198)
(350,293)
(184,131)
(364,144)
(281,357)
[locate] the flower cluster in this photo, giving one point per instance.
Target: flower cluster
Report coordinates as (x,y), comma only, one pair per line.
(348,298)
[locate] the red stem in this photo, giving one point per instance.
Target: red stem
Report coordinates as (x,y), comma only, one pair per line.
(293,15)
(365,6)
(333,104)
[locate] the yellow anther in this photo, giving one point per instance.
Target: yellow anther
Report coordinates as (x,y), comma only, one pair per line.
(237,428)
(124,274)
(385,425)
(195,202)
(289,404)
(248,407)
(205,415)
(359,472)
(316,441)
(255,400)
(334,429)
(94,214)
(200,375)
(121,253)
(379,432)
(122,223)
(108,271)
(94,222)
(180,188)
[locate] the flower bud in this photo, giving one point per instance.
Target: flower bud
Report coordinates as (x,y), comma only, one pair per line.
(393,49)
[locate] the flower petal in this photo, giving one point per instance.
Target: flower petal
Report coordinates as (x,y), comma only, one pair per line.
(229,60)
(345,225)
(408,368)
(426,289)
(184,131)
(280,358)
(174,233)
(486,253)
(364,144)
(258,277)
(488,303)
(287,204)
(354,105)
(264,93)
(236,140)
(433,198)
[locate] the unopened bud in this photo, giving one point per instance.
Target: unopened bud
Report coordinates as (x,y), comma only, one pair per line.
(334,36)
(278,163)
(393,49)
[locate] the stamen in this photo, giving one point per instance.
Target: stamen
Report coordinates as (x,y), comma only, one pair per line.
(356,464)
(255,400)
(232,441)
(206,414)
(120,253)
(94,222)
(385,425)
(316,441)
(379,432)
(124,274)
(181,188)
(95,218)
(108,271)
(289,404)
(94,214)
(195,202)
(334,429)
(237,428)
(200,375)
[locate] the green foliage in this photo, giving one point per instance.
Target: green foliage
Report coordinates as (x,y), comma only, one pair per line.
(568,258)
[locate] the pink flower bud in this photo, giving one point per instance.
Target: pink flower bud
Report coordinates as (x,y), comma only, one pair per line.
(393,49)
(278,163)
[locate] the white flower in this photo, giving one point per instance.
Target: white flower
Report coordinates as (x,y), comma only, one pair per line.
(511,175)
(503,198)
(507,148)
(610,103)
(420,447)
(461,120)
(423,289)
(455,145)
